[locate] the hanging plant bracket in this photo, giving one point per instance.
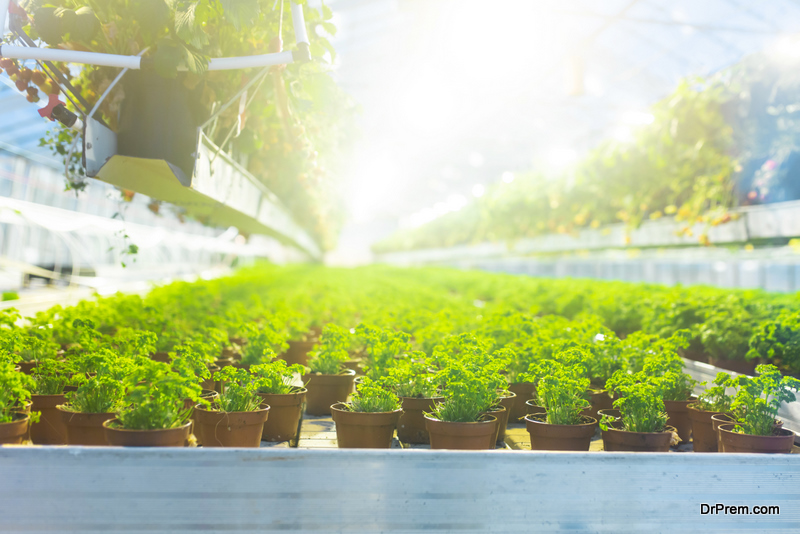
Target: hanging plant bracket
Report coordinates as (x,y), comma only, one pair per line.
(202,179)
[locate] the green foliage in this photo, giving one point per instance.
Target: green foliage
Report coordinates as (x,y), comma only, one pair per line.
(51,375)
(715,398)
(642,409)
(155,397)
(759,398)
(382,347)
(99,394)
(240,390)
(10,295)
(277,377)
(373,397)
(331,353)
(413,377)
(685,154)
(778,340)
(562,394)
(263,343)
(15,391)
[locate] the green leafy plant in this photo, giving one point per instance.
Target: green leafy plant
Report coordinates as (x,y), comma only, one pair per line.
(759,398)
(155,397)
(331,353)
(372,397)
(15,391)
(382,346)
(413,377)
(562,395)
(240,392)
(51,375)
(778,340)
(99,394)
(715,398)
(642,410)
(277,377)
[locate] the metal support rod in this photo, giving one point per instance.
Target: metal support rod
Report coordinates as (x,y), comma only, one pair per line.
(299,23)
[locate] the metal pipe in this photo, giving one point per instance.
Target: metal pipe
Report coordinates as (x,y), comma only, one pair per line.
(134,62)
(299,24)
(70,56)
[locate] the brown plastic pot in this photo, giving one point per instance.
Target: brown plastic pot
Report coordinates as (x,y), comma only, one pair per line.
(229,429)
(27,367)
(613,412)
(210,383)
(508,403)
(285,410)
(464,436)
(364,430)
(780,442)
(325,390)
(50,430)
(534,409)
(411,426)
(14,432)
(499,413)
(207,394)
(160,356)
(161,437)
(355,365)
(678,412)
(84,428)
(298,352)
(548,437)
(716,421)
(598,400)
(619,440)
(524,391)
(704,437)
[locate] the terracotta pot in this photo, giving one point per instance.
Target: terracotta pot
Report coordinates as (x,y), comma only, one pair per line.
(207,394)
(411,426)
(297,352)
(229,429)
(678,412)
(27,367)
(84,428)
(524,391)
(704,437)
(237,340)
(50,430)
(315,331)
(464,436)
(780,442)
(508,403)
(534,409)
(223,362)
(160,356)
(598,400)
(364,430)
(716,421)
(14,432)
(498,414)
(285,412)
(619,440)
(547,437)
(162,437)
(613,412)
(228,353)
(324,390)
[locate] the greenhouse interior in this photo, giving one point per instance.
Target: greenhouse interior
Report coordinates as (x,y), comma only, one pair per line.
(399,266)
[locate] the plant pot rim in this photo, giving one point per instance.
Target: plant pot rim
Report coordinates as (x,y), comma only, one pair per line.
(592,421)
(421,398)
(64,408)
(784,432)
(17,417)
(667,430)
(491,419)
(48,395)
(200,408)
(298,392)
(334,407)
(107,425)
(693,407)
(346,372)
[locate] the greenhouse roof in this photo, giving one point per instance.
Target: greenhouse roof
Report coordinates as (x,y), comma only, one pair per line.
(455,92)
